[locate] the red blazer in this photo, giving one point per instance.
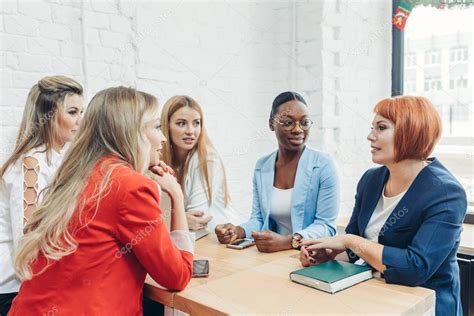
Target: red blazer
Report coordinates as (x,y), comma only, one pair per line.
(124,241)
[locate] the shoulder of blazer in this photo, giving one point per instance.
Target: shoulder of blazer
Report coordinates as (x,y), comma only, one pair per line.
(374,172)
(440,175)
(317,158)
(263,160)
(126,180)
(371,176)
(441,183)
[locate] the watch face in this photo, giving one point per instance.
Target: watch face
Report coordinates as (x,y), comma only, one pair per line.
(295,243)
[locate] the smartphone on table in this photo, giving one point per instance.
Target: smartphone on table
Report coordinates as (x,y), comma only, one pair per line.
(200,268)
(241,243)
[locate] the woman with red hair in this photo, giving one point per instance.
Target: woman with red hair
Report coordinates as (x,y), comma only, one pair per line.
(408,213)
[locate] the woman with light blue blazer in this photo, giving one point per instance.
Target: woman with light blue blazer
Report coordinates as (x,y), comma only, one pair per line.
(295,188)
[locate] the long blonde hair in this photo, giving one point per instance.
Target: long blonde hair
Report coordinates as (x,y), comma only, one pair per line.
(203,148)
(113,124)
(39,123)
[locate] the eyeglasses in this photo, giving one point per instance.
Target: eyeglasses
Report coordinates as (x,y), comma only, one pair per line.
(288,125)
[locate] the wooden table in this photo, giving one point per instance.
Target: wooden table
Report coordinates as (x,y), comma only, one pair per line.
(247,281)
(465,258)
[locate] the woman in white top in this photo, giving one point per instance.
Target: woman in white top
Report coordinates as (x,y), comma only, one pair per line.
(198,167)
(50,119)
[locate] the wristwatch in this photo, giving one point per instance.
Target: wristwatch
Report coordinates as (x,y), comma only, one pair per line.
(295,241)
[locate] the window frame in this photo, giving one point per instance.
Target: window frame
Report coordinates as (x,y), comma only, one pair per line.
(398,50)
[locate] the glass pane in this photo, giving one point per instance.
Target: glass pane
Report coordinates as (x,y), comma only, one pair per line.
(443,73)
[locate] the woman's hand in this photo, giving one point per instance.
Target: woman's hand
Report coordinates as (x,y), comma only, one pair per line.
(319,250)
(337,243)
(161,168)
(308,258)
(227,233)
(166,180)
(269,241)
(197,220)
(305,258)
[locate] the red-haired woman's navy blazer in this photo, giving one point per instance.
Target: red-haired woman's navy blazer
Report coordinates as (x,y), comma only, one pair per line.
(421,235)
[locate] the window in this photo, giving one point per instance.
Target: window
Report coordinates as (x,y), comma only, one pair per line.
(459,112)
(442,38)
(461,83)
(432,84)
(410,87)
(432,57)
(458,54)
(410,60)
(458,83)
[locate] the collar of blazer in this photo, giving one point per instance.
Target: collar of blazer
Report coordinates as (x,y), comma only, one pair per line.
(374,186)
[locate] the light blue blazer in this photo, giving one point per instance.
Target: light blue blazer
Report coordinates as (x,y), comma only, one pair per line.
(314,201)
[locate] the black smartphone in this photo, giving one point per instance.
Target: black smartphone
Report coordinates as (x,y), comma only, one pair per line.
(200,268)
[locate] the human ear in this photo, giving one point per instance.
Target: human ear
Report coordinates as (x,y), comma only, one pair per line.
(270,125)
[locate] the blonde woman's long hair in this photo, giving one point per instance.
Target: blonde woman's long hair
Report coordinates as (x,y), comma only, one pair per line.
(114,124)
(203,148)
(39,123)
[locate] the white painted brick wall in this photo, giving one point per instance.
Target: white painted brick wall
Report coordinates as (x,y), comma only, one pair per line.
(21,25)
(61,14)
(233,57)
(120,24)
(97,20)
(42,46)
(35,9)
(13,43)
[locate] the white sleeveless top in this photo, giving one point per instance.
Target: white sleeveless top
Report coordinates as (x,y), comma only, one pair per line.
(280,211)
(11,210)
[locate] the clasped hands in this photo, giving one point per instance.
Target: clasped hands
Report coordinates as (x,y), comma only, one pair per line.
(168,182)
(319,250)
(265,240)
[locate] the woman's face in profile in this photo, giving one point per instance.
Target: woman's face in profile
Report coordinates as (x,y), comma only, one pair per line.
(185,128)
(291,124)
(382,140)
(69,118)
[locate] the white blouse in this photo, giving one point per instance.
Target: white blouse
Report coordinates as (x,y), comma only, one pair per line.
(195,197)
(281,210)
(384,208)
(11,210)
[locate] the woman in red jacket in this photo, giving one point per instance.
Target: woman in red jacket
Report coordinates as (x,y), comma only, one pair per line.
(99,230)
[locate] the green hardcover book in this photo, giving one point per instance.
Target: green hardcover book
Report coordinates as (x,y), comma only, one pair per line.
(331,276)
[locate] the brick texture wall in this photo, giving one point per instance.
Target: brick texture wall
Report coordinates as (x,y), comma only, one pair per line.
(233,57)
